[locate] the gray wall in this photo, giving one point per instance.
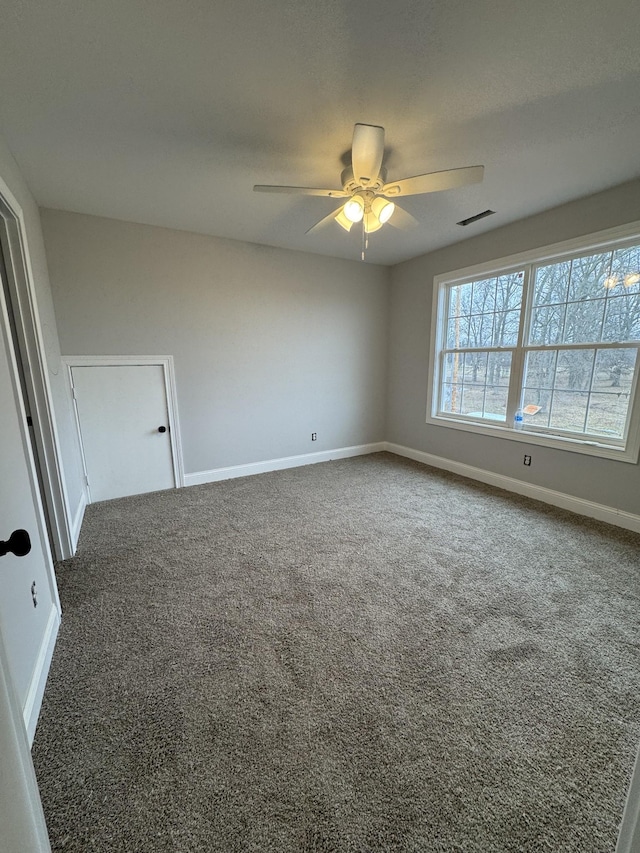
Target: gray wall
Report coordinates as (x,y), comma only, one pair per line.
(63,414)
(615,484)
(270,345)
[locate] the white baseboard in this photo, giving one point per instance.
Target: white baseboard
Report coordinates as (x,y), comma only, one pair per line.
(33,701)
(76,524)
(213,476)
(619,517)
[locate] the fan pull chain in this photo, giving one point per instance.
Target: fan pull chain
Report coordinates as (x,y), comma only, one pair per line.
(365,241)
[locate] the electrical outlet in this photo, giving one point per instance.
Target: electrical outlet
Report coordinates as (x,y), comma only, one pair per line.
(527,459)
(314,436)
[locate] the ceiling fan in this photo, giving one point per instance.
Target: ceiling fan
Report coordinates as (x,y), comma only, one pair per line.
(367,192)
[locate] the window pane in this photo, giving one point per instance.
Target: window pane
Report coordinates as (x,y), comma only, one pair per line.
(588,276)
(614,371)
(472,400)
(460,300)
(498,369)
(551,283)
(476,384)
(449,367)
(475,368)
(458,332)
(539,377)
(625,269)
(622,319)
(509,291)
(536,406)
(495,403)
(547,323)
(451,397)
(484,296)
(486,385)
(488,329)
(506,329)
(561,387)
(540,369)
(569,410)
(574,369)
(602,296)
(481,330)
(583,321)
(485,313)
(612,381)
(607,415)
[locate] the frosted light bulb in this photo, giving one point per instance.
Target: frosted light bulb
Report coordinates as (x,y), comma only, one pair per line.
(354,209)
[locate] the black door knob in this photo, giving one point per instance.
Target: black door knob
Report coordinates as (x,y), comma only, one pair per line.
(162,429)
(18,543)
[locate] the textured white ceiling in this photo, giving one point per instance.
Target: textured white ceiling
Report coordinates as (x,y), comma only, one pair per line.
(168,111)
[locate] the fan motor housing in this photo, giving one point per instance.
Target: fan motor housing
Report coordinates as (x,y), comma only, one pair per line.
(349,184)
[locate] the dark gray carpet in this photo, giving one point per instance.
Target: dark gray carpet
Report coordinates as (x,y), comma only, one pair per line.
(363,655)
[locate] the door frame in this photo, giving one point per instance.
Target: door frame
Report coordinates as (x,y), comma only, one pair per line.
(163,361)
(24,304)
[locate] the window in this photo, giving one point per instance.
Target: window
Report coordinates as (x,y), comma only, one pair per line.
(555,334)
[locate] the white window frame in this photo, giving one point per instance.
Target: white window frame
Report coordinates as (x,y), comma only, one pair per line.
(603,240)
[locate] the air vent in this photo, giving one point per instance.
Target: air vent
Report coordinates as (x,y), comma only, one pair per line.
(475,218)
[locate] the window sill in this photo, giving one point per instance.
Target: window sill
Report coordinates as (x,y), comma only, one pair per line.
(587,448)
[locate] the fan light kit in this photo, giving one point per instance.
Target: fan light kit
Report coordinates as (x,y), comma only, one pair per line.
(364,185)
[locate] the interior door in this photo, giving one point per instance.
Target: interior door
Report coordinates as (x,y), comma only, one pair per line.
(29,604)
(124,429)
(22,823)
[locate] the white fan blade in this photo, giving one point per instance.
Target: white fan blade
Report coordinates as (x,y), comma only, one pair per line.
(265,188)
(434,182)
(367,151)
(401,219)
(326,220)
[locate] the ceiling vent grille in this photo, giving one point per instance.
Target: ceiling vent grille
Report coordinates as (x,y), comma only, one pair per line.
(475,218)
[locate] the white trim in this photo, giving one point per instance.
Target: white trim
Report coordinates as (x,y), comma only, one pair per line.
(21,816)
(20,271)
(587,448)
(248,470)
(544,254)
(629,837)
(78,518)
(33,700)
(167,365)
(619,517)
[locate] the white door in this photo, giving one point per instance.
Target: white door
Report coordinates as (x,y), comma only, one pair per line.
(29,604)
(124,428)
(22,823)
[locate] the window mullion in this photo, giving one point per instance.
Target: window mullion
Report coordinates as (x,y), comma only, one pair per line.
(514,397)
(477,349)
(589,345)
